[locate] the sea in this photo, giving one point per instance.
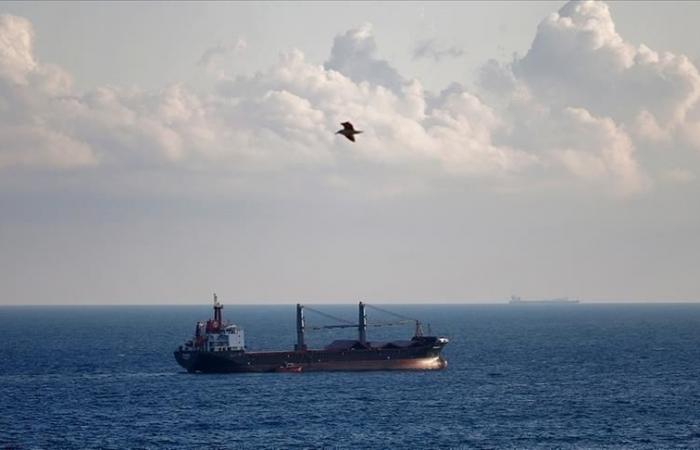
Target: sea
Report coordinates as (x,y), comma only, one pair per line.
(519,376)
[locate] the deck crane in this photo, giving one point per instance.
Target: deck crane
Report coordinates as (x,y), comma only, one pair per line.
(361,324)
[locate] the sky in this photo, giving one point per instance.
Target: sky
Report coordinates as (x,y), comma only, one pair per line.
(152,153)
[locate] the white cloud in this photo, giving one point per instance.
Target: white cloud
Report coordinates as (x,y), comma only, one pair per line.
(354,54)
(578,59)
(28,101)
(600,152)
(582,104)
(16,49)
(400,128)
(624,100)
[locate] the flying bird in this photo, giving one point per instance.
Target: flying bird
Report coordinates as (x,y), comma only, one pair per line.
(348,131)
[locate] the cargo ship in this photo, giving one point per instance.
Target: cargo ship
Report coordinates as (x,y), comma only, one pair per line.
(515,300)
(219,347)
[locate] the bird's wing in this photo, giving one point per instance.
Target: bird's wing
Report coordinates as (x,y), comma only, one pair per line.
(347,126)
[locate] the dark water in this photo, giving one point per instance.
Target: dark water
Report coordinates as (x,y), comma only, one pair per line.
(567,376)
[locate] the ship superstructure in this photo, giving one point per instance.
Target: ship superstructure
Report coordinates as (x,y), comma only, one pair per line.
(218,346)
(216,335)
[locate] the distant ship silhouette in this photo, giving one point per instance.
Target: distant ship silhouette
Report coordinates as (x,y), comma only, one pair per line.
(515,300)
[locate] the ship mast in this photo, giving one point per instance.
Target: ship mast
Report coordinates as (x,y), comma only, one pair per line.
(217,309)
(301,345)
(362,324)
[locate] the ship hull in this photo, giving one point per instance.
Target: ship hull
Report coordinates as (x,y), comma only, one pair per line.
(413,358)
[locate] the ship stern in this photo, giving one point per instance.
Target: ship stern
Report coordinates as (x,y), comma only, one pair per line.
(187,359)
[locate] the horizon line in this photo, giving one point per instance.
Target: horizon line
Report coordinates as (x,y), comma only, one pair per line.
(408,303)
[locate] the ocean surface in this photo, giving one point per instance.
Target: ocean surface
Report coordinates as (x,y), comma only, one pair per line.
(529,376)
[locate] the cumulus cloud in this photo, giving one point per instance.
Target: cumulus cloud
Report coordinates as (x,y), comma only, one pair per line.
(578,59)
(16,48)
(400,128)
(277,119)
(27,94)
(579,70)
(582,104)
(354,54)
(601,152)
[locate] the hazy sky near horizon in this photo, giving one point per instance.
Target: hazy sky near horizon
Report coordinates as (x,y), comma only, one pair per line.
(156,152)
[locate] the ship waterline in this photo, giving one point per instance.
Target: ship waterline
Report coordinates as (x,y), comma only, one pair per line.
(310,361)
